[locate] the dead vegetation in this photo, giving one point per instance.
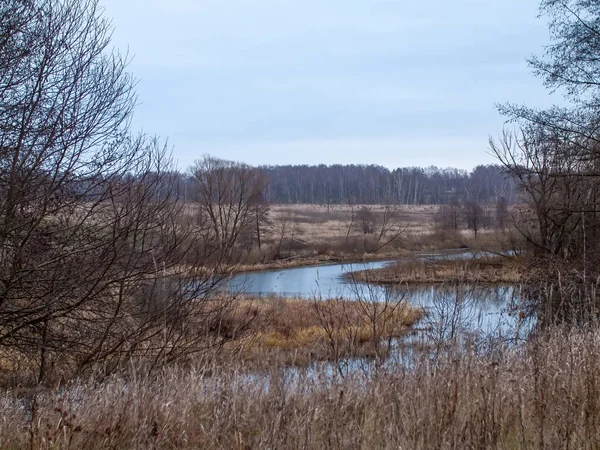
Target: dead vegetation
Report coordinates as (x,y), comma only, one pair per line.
(305,235)
(301,331)
(486,270)
(336,231)
(539,395)
(115,333)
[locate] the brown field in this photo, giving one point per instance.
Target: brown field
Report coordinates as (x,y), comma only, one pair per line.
(318,223)
(239,395)
(302,235)
(542,395)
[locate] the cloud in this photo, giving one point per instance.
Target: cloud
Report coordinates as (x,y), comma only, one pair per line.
(419,151)
(285,71)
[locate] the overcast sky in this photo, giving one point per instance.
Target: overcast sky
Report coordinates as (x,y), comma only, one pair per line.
(394,83)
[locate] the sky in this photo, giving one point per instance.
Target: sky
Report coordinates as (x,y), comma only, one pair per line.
(269,82)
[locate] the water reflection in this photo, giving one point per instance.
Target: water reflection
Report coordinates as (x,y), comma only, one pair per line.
(304,282)
(451,310)
(326,281)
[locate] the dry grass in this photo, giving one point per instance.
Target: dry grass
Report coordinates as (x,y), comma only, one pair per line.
(542,395)
(501,240)
(299,331)
(300,261)
(320,222)
(488,270)
(324,234)
(316,260)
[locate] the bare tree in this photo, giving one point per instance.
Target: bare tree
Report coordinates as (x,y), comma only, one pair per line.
(554,157)
(371,185)
(365,221)
(474,215)
(557,188)
(379,229)
(65,151)
(260,218)
(390,228)
(230,202)
(99,261)
(449,216)
(501,213)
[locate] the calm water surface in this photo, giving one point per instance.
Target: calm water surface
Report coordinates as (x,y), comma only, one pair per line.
(305,282)
(485,308)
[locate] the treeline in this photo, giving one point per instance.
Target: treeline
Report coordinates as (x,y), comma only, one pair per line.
(376,185)
(371,184)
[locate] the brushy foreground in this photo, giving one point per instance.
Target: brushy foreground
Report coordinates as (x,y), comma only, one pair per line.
(543,394)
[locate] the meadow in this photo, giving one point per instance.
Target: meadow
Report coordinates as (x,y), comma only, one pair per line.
(301,235)
(119,326)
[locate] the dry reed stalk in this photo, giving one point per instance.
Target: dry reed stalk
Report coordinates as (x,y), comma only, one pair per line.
(545,394)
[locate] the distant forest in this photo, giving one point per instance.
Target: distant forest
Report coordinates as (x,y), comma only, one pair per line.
(370,184)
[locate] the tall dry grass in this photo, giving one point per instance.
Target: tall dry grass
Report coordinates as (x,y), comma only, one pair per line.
(541,395)
(301,235)
(484,269)
(297,331)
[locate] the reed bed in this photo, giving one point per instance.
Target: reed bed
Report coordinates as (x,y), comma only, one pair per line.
(543,394)
(297,331)
(486,270)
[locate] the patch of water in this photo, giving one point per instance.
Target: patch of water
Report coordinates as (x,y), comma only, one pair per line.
(476,308)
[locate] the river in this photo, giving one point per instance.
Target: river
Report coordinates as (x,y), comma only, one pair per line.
(486,309)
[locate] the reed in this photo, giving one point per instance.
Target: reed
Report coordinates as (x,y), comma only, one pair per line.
(486,270)
(538,395)
(300,331)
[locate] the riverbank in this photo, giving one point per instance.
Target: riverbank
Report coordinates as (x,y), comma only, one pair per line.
(309,235)
(407,256)
(483,269)
(313,261)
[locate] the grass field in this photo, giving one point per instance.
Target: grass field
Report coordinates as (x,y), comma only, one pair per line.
(319,223)
(487,270)
(301,235)
(339,374)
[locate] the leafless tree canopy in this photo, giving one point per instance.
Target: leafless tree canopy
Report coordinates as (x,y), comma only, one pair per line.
(369,184)
(230,204)
(99,261)
(553,156)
